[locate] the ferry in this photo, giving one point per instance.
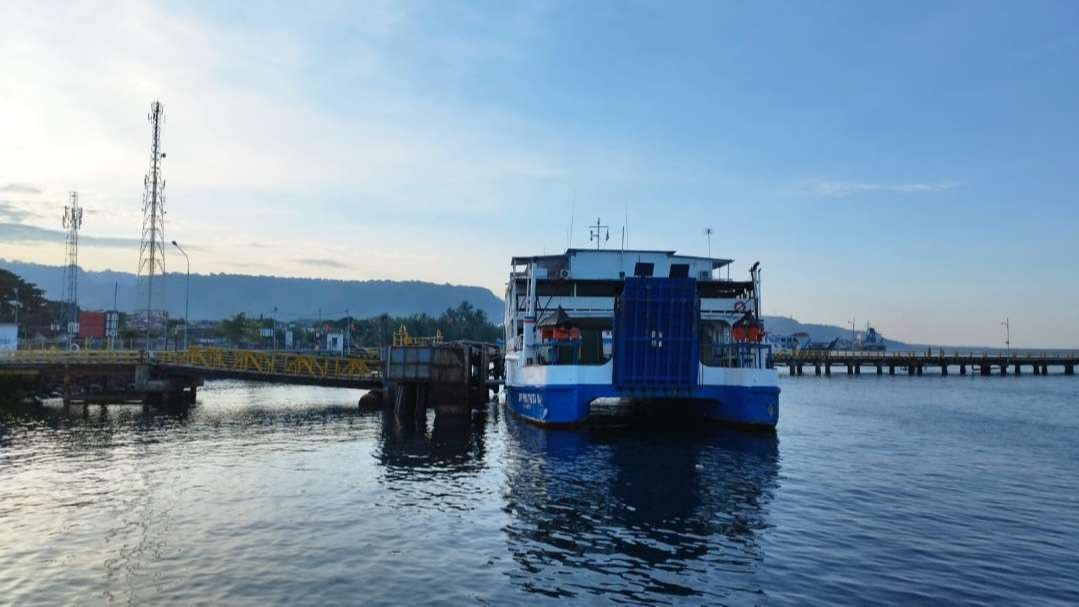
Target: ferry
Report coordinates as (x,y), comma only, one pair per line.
(870,341)
(633,324)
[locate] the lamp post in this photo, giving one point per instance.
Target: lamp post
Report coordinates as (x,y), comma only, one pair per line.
(275,328)
(1007,338)
(18,304)
(187,290)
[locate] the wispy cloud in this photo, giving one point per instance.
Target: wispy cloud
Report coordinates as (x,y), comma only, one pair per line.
(15,232)
(323,263)
(11,211)
(19,188)
(846,188)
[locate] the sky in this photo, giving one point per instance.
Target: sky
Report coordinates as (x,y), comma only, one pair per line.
(911,164)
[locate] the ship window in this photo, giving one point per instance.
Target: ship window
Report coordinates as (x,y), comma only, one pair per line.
(643,269)
(679,270)
(599,289)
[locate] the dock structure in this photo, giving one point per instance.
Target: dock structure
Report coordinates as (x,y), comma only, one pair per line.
(98,377)
(451,376)
(917,363)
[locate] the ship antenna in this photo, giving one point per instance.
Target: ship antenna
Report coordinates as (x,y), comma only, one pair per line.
(625,228)
(599,232)
(572,212)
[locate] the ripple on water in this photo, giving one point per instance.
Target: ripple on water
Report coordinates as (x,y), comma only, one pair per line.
(957,490)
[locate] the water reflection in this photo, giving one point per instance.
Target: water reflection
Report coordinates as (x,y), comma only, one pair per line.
(431,445)
(638,508)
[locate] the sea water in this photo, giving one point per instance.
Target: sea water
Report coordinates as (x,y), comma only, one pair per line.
(958,490)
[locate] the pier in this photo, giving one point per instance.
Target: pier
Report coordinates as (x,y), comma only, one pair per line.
(822,363)
(454,376)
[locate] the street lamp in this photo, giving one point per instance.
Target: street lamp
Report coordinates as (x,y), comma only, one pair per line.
(1007,337)
(187,290)
(16,305)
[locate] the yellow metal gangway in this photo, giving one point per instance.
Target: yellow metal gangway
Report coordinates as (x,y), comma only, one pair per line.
(402,338)
(271,365)
(363,370)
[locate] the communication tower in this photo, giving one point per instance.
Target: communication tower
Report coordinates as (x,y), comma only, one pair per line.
(152,247)
(69,313)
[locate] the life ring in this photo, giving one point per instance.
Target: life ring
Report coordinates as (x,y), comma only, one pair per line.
(739,306)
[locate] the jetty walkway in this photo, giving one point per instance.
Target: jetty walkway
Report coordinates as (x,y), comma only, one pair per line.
(410,373)
(916,363)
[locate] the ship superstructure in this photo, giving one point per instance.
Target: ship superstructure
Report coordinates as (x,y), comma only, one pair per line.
(655,325)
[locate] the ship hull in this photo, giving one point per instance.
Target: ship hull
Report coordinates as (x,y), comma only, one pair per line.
(568,405)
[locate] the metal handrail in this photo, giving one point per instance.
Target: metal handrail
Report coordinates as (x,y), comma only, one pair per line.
(547,351)
(71,357)
(743,355)
(913,355)
(250,362)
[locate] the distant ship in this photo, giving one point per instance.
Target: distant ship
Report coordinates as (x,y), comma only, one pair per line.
(869,340)
(787,343)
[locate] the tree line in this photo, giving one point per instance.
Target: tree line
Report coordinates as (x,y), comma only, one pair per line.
(463,322)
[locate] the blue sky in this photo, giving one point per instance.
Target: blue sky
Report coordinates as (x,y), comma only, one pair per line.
(913,164)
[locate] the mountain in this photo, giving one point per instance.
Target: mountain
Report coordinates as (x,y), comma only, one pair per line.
(217,296)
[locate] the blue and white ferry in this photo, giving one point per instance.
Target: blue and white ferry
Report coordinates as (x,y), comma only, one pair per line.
(649,325)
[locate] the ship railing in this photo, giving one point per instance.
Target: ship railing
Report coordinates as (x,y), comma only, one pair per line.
(742,355)
(559,352)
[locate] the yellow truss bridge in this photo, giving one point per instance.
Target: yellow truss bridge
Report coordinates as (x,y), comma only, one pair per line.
(284,367)
(362,371)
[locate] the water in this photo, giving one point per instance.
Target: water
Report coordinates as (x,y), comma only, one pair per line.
(874,490)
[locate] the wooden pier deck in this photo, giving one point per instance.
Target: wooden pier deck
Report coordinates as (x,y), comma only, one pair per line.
(938,362)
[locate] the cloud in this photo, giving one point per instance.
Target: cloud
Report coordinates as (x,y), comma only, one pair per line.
(16,232)
(846,188)
(323,263)
(20,188)
(10,211)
